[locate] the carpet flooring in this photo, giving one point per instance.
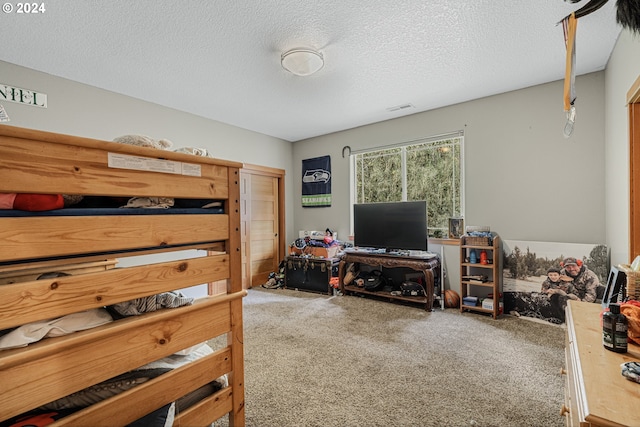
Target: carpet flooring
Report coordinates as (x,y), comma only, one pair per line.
(319,360)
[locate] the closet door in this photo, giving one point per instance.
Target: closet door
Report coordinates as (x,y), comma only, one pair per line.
(261,220)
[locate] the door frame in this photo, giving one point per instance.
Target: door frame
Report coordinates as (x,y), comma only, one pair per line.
(633,102)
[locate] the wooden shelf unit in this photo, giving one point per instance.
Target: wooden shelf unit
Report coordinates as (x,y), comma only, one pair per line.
(493,271)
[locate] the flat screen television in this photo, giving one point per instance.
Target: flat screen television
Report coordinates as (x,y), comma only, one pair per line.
(391,225)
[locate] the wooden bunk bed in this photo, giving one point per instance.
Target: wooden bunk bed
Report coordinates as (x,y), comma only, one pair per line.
(42,162)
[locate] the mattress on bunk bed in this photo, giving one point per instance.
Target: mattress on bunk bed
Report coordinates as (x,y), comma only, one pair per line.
(111,211)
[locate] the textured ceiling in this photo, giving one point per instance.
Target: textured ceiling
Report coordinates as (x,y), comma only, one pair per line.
(221,59)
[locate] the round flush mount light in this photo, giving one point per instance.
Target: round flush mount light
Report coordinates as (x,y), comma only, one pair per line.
(302,61)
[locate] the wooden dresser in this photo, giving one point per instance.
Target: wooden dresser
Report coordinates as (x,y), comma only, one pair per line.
(596,394)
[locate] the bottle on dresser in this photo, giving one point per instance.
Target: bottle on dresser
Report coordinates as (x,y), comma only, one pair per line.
(614,329)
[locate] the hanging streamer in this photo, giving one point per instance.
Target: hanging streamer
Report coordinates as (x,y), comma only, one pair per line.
(569,26)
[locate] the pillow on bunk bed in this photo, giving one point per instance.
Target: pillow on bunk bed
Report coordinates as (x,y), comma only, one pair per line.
(35,331)
(31,202)
(32,332)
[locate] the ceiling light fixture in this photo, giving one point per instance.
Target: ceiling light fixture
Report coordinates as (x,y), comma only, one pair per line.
(302,61)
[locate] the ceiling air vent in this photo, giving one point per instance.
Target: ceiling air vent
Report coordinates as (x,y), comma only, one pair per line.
(400,107)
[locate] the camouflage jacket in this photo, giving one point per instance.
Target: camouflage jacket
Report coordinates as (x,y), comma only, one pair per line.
(547,285)
(584,285)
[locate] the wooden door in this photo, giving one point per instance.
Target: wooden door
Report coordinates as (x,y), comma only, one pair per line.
(633,99)
(261,219)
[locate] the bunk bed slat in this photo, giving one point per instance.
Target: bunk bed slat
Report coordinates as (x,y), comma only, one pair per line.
(57,368)
(169,387)
(50,298)
(70,169)
(210,408)
(44,237)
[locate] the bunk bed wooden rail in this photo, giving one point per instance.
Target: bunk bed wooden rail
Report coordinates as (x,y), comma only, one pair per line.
(33,161)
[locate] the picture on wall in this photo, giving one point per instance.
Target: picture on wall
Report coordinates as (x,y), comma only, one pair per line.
(540,277)
(316,182)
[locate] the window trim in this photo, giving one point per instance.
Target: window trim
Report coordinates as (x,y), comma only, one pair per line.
(450,135)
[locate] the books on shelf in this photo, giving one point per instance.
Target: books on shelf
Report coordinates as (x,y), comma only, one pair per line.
(470,300)
(476,279)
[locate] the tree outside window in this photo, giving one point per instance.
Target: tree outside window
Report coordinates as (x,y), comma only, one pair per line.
(429,169)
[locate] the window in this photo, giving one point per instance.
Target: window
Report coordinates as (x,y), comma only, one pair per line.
(427,169)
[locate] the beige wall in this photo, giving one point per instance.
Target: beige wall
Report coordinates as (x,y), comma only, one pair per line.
(523,178)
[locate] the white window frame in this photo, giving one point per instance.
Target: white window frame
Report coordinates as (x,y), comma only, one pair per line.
(352,166)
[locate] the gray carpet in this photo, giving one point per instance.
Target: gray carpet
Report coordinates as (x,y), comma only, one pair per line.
(316,360)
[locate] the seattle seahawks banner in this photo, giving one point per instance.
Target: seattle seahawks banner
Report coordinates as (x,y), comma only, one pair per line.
(316,182)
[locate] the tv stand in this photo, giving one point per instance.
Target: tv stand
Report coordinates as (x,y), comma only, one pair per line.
(422,265)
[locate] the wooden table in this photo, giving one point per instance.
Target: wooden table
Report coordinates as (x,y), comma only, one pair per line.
(423,265)
(596,393)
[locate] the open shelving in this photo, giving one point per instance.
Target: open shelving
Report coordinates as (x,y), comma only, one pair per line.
(481,280)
